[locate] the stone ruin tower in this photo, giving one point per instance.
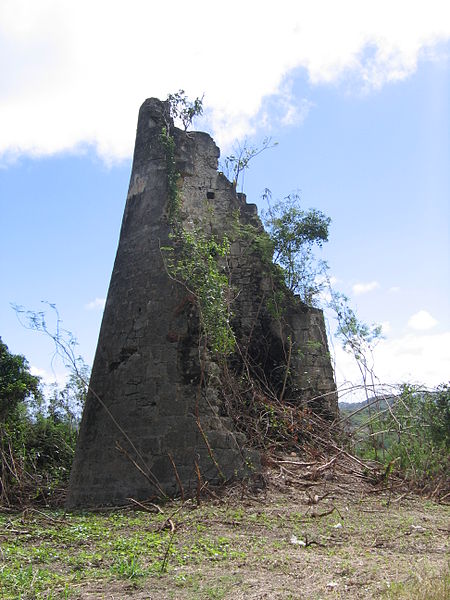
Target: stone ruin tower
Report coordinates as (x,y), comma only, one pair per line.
(152,421)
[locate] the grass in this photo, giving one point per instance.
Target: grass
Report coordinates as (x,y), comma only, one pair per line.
(53,551)
(428,586)
(232,549)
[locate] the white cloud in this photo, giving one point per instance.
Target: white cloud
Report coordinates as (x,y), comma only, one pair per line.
(74,72)
(296,112)
(364,288)
(285,108)
(422,321)
(394,289)
(49,378)
(385,327)
(96,304)
(413,358)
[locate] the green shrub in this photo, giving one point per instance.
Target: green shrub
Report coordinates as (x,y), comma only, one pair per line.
(37,437)
(421,422)
(410,431)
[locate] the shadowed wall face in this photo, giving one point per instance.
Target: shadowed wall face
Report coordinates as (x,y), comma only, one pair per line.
(148,424)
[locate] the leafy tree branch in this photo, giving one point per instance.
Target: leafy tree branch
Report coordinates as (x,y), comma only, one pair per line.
(235,164)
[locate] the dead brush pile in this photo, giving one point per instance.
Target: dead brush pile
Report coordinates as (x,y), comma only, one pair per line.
(302,448)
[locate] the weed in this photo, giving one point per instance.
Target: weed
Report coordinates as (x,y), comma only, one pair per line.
(56,555)
(127,567)
(428,587)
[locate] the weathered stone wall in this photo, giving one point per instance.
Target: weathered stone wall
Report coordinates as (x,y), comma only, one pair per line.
(147,408)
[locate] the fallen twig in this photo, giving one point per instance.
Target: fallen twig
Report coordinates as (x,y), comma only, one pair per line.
(311,542)
(146,508)
(326,465)
(400,497)
(169,521)
(166,555)
(15,531)
(48,517)
(177,476)
(325,513)
(293,462)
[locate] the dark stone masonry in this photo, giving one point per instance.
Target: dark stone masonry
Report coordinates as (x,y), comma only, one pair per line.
(149,420)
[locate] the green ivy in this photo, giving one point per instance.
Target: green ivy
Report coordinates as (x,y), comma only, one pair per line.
(173,176)
(198,261)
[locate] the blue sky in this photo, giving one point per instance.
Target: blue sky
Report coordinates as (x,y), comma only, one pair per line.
(357,100)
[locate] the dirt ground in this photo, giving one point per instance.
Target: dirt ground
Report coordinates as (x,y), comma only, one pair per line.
(337,537)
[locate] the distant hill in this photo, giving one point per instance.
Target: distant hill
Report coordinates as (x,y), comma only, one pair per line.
(382,403)
(371,405)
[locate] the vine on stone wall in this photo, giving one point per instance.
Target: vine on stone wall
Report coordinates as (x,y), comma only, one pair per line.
(263,400)
(197,260)
(173,176)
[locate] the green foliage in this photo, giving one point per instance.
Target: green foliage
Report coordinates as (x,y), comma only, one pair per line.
(37,434)
(127,567)
(356,337)
(36,449)
(314,346)
(67,404)
(184,109)
(409,432)
(173,176)
(275,304)
(294,232)
(256,239)
(180,107)
(36,454)
(61,551)
(200,258)
(197,260)
(46,445)
(200,264)
(420,425)
(16,382)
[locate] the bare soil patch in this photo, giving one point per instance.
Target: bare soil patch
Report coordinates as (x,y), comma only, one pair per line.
(333,536)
